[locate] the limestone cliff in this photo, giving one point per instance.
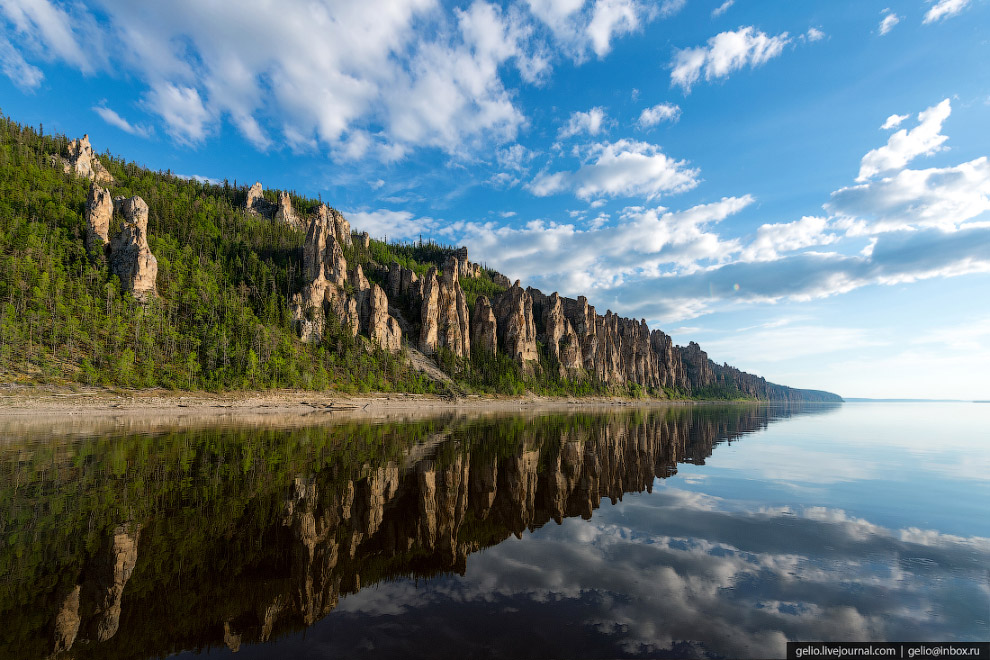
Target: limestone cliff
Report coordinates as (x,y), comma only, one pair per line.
(83,162)
(516,329)
(444,317)
(130,256)
(99,215)
(286,214)
(334,292)
(484,328)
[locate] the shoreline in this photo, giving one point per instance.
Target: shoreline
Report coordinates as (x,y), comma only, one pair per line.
(48,404)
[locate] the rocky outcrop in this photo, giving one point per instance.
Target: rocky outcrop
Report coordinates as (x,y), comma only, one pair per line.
(362,309)
(130,256)
(697,366)
(444,319)
(670,368)
(83,162)
(332,219)
(286,214)
(464,267)
(516,329)
(256,204)
(381,327)
(484,327)
(501,280)
(404,285)
(561,340)
(99,215)
(364,240)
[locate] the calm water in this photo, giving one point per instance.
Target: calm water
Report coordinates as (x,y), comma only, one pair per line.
(698,531)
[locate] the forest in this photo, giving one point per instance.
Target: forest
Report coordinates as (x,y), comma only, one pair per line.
(222,319)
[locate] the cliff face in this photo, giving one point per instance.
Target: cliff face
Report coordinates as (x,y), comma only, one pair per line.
(516,329)
(334,292)
(83,162)
(130,256)
(444,313)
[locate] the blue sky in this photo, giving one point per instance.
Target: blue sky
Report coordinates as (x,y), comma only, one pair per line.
(803,187)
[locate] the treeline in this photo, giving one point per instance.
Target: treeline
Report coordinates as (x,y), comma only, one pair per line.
(222,319)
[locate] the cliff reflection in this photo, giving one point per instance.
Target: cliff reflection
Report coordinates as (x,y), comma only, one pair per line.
(141,545)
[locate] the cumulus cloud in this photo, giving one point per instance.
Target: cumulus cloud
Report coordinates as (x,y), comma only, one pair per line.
(772,239)
(111,117)
(888,22)
(942,9)
(658,113)
(814,34)
(624,168)
(722,8)
(724,53)
(903,146)
(935,197)
(579,27)
(358,78)
(396,225)
(589,122)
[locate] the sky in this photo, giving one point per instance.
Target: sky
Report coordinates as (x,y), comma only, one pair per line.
(800,186)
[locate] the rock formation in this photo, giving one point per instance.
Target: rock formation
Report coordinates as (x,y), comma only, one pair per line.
(286,214)
(697,366)
(444,315)
(130,256)
(364,240)
(484,328)
(99,215)
(326,296)
(561,340)
(464,267)
(331,218)
(256,204)
(516,329)
(83,162)
(404,285)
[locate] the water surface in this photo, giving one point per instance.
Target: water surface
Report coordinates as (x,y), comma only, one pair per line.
(693,531)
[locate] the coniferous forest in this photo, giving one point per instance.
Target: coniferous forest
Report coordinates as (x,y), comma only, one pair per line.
(222,319)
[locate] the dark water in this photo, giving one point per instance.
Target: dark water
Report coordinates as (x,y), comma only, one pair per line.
(701,531)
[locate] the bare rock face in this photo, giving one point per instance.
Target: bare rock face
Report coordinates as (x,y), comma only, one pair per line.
(99,215)
(130,256)
(583,320)
(697,366)
(382,328)
(338,223)
(326,295)
(484,328)
(562,342)
(286,214)
(83,162)
(670,368)
(514,313)
(364,240)
(404,284)
(255,198)
(501,280)
(67,621)
(444,314)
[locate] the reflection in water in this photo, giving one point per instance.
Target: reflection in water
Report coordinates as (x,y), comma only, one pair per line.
(142,545)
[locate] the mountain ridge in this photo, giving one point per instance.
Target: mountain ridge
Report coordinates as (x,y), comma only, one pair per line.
(319,306)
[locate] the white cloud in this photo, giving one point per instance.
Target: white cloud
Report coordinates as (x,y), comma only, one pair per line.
(904,145)
(772,239)
(396,225)
(578,27)
(625,168)
(55,32)
(589,122)
(888,22)
(186,117)
(936,197)
(722,8)
(814,34)
(944,9)
(15,67)
(111,117)
(725,52)
(658,113)
(893,121)
(671,7)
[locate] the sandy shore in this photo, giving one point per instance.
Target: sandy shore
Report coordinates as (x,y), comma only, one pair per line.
(62,408)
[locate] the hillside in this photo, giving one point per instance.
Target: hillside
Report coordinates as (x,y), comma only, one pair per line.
(117,275)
